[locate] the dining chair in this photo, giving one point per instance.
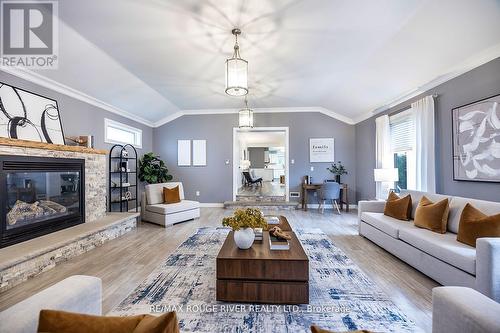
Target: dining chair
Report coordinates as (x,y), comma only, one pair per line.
(329,191)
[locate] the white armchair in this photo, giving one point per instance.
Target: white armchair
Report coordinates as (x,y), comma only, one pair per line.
(154,210)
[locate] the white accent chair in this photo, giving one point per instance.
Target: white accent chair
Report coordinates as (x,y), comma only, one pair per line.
(154,210)
(77,293)
(439,256)
(463,310)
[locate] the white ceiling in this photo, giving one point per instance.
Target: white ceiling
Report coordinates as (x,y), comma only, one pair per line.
(155,59)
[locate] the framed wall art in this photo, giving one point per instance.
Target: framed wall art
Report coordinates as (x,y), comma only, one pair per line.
(29,116)
(199,152)
(322,150)
(476,141)
(184,152)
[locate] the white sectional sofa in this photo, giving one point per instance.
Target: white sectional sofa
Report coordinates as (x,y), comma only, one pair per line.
(77,293)
(154,210)
(439,256)
(463,310)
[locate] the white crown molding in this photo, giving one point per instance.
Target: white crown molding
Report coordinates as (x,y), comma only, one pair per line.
(200,112)
(168,119)
(43,81)
(466,66)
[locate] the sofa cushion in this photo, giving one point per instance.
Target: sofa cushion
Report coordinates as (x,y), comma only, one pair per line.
(171,195)
(432,215)
(457,205)
(166,209)
(68,322)
(442,246)
(398,207)
(417,195)
(384,223)
(154,192)
(474,224)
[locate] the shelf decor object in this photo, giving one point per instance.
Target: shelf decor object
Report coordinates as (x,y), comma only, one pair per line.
(476,141)
(236,71)
(123,191)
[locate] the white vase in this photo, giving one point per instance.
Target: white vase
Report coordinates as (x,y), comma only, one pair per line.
(244,238)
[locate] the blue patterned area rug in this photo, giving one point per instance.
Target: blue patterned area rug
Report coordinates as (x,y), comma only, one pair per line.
(341,297)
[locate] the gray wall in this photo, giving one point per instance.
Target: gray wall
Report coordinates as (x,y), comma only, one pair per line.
(215,180)
(81,118)
(479,83)
(257,156)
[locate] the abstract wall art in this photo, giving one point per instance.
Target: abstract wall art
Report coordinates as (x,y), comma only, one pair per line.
(476,141)
(28,116)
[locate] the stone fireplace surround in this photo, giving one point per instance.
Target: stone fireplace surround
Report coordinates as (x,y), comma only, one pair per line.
(24,260)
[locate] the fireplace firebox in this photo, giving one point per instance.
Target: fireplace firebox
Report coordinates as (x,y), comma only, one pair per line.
(39,196)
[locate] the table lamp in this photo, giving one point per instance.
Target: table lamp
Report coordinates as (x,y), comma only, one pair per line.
(385,176)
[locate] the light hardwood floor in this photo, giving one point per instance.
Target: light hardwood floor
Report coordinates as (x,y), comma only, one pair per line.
(123,263)
(267,189)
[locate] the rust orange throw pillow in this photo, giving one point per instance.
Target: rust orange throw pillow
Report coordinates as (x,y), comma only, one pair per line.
(399,208)
(171,195)
(474,224)
(67,322)
(432,216)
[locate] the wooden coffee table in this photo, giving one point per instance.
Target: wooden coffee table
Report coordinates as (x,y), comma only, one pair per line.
(260,275)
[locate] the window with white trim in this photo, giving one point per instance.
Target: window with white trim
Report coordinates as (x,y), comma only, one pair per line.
(402,128)
(116,132)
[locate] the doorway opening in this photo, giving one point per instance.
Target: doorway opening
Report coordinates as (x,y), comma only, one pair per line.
(260,168)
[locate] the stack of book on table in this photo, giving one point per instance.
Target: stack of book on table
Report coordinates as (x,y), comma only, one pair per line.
(258,234)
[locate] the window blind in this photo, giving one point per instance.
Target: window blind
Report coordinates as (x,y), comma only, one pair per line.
(402,128)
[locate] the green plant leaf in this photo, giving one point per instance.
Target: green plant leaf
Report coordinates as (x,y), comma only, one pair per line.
(152,169)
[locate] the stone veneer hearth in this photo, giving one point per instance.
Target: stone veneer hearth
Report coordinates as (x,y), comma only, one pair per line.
(24,260)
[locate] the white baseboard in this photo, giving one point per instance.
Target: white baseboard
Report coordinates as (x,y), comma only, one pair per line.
(329,206)
(211,205)
(221,205)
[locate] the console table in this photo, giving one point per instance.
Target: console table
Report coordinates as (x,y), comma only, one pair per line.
(315,187)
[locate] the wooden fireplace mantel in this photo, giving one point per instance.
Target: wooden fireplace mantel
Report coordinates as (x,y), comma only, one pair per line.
(50,146)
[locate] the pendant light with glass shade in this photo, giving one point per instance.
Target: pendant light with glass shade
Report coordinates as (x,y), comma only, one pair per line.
(245,116)
(236,71)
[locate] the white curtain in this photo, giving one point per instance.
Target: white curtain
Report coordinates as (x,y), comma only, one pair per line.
(425,158)
(383,150)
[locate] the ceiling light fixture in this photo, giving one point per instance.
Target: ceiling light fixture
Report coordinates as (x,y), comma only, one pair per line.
(245,116)
(236,71)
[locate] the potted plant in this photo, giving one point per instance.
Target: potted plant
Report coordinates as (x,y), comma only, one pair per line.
(153,170)
(243,222)
(338,170)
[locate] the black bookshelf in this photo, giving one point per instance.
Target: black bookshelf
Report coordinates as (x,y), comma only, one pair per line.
(122,171)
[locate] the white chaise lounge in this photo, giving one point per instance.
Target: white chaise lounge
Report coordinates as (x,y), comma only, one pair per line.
(439,256)
(154,210)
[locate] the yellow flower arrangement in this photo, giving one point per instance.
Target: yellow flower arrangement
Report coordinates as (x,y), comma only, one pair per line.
(245,218)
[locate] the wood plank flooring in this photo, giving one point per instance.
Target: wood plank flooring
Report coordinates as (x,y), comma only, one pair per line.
(123,263)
